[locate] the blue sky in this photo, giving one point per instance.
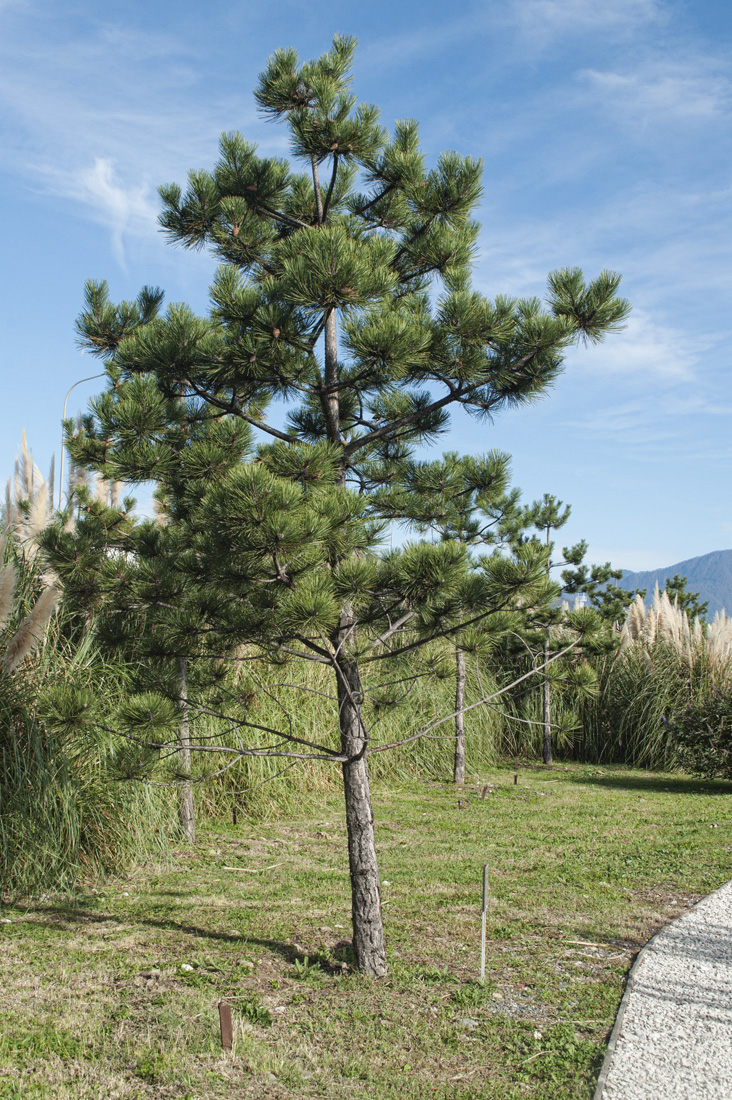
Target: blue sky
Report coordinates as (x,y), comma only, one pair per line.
(605,131)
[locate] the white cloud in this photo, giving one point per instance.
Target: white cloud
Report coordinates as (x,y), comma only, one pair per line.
(643,351)
(663,90)
(423,41)
(121,208)
(103,119)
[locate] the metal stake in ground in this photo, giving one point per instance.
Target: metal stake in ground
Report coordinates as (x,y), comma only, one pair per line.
(482,922)
(227,1030)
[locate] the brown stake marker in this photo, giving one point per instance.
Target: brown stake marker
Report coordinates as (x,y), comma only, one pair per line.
(227,1030)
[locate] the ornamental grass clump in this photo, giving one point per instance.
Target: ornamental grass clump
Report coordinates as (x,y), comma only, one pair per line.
(61,814)
(666,664)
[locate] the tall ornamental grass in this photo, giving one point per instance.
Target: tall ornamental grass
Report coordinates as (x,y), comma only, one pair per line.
(62,814)
(664,664)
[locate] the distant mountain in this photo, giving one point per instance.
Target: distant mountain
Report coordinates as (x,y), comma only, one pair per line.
(710,575)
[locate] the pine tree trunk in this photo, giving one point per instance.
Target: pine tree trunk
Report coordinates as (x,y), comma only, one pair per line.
(185,790)
(459,766)
(368,927)
(547,699)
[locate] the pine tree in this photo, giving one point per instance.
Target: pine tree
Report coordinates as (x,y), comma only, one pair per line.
(344,294)
(686,601)
(595,582)
(117,568)
(607,601)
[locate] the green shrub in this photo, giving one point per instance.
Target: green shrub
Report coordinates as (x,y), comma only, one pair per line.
(702,733)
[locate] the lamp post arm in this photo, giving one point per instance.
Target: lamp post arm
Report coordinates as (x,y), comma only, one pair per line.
(63,417)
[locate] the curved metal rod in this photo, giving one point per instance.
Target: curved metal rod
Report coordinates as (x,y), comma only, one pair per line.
(63,417)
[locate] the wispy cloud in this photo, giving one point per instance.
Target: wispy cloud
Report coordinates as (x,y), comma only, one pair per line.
(122,208)
(663,90)
(106,118)
(645,350)
(425,40)
(540,19)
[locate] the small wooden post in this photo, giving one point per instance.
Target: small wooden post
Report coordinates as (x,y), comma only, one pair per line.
(227,1029)
(515,772)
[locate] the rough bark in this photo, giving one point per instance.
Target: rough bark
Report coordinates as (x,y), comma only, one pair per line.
(185,790)
(459,765)
(547,700)
(368,926)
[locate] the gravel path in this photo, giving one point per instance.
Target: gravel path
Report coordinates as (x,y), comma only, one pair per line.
(673,1036)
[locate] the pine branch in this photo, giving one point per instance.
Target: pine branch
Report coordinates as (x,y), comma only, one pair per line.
(235,410)
(401,422)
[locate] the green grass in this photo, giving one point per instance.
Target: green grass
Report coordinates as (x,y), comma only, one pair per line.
(115,993)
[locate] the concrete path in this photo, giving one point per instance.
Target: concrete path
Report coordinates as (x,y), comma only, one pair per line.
(672,1039)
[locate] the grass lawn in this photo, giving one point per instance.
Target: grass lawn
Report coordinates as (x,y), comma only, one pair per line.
(114,994)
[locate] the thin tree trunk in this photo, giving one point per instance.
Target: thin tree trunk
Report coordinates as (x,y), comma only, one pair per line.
(331,404)
(546,686)
(459,767)
(547,700)
(368,926)
(185,789)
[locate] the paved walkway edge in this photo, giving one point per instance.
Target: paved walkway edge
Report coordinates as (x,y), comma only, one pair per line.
(630,982)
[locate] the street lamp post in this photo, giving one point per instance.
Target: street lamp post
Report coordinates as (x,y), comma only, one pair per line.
(61,472)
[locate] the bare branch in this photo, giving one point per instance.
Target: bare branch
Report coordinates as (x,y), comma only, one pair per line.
(392,630)
(480,703)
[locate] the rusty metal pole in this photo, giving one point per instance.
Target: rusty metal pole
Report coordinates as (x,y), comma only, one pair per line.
(227,1029)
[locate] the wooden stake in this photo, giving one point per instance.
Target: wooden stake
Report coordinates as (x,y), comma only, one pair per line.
(482,923)
(227,1029)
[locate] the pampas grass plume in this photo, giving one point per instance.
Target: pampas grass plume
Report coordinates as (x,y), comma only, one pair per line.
(32,629)
(665,622)
(8,577)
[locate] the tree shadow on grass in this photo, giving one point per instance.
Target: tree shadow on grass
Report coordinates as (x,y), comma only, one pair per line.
(76,915)
(652,783)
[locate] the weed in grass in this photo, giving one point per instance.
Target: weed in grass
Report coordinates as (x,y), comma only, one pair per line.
(150,1067)
(305,969)
(473,995)
(42,1041)
(553,1056)
(252,1011)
